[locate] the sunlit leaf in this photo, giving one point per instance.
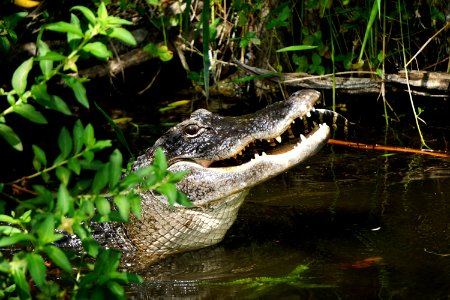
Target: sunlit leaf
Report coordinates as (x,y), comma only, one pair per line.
(170,191)
(45,229)
(15,239)
(64,200)
(19,78)
(123,206)
(52,56)
(135,205)
(64,27)
(98,49)
(103,206)
(89,139)
(88,14)
(11,137)
(45,65)
(37,269)
(29,112)
(63,174)
(160,164)
(102,13)
(122,34)
(296,48)
(115,168)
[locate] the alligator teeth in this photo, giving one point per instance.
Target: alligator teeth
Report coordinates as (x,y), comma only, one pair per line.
(313,109)
(302,137)
(278,138)
(256,155)
(264,154)
(308,114)
(293,121)
(291,134)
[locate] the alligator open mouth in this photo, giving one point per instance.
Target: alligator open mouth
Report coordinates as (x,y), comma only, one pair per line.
(299,130)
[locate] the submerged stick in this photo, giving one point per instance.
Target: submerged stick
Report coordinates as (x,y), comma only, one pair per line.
(375,147)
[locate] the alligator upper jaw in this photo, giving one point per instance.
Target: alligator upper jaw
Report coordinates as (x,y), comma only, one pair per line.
(288,153)
(293,135)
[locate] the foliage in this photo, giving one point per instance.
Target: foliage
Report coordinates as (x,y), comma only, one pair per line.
(75,185)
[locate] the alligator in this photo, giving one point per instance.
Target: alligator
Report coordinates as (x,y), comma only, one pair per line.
(224,157)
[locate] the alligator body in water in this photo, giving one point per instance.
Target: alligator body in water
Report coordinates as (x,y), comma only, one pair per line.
(225,157)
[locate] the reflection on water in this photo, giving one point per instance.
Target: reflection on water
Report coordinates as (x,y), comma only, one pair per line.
(358,225)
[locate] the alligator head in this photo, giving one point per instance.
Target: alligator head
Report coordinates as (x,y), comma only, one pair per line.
(225,157)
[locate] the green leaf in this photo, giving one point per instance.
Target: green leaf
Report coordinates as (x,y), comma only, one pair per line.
(46,229)
(37,269)
(29,112)
(52,56)
(65,142)
(102,13)
(135,205)
(45,65)
(40,94)
(63,175)
(15,239)
(170,191)
(39,154)
(74,41)
(123,205)
(296,48)
(89,139)
(78,132)
(9,230)
(78,89)
(115,21)
(88,14)
(115,168)
(64,200)
(103,206)
(100,180)
(122,34)
(160,164)
(11,137)
(97,49)
(74,165)
(19,78)
(182,199)
(162,52)
(116,289)
(58,257)
(65,27)
(22,286)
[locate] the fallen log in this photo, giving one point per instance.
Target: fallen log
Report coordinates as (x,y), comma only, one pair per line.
(430,84)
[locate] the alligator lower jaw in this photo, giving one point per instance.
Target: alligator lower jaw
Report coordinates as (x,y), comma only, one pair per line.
(287,155)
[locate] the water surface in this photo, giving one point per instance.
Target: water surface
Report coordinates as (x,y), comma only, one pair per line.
(344,225)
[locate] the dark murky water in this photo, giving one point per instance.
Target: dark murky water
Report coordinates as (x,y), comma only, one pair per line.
(345,225)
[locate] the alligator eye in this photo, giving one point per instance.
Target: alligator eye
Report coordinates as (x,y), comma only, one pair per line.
(191,129)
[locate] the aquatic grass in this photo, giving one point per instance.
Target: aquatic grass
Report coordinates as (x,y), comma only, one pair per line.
(206,14)
(416,115)
(264,284)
